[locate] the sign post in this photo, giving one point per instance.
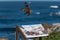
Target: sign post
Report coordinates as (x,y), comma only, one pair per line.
(29,32)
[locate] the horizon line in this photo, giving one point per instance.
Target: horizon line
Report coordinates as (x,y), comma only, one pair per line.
(0,1)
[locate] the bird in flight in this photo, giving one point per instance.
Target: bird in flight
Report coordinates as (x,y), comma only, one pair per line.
(27,9)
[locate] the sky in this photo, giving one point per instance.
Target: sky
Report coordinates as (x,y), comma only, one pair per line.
(29,0)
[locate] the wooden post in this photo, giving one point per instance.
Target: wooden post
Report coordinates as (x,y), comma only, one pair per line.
(17,34)
(17,31)
(40,38)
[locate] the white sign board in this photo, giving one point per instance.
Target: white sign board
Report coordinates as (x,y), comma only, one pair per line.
(31,31)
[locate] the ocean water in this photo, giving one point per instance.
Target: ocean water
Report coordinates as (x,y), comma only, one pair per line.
(11,15)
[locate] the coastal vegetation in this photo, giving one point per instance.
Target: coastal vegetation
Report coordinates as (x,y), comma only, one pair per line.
(52,36)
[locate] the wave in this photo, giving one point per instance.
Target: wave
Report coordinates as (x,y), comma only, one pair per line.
(58,13)
(55,14)
(37,13)
(54,6)
(56,23)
